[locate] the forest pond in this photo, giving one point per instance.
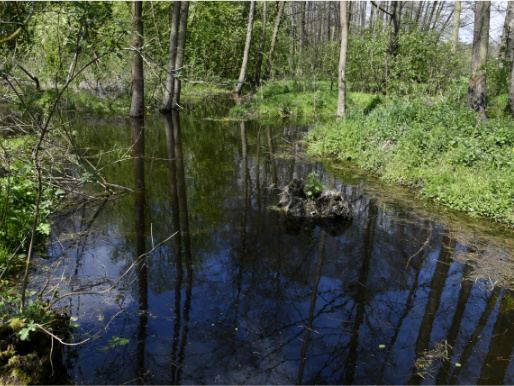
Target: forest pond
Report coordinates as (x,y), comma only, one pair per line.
(228,291)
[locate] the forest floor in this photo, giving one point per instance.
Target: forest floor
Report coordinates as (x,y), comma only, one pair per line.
(433,143)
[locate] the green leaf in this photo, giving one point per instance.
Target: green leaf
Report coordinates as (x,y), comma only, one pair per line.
(44,228)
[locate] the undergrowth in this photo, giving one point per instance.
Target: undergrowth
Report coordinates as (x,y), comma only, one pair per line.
(440,147)
(18,194)
(286,98)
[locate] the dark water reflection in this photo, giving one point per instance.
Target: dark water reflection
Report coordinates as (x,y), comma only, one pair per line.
(240,295)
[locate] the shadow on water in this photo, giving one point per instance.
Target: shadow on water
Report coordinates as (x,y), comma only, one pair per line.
(240,295)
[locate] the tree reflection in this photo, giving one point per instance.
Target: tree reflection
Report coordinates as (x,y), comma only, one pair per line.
(138,135)
(498,357)
(182,243)
(437,285)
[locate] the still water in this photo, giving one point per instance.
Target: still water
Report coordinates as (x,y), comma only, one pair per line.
(240,295)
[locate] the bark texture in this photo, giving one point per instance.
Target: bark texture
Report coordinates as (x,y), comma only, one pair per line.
(274,39)
(261,46)
(184,12)
(341,84)
(167,103)
(477,85)
(456,25)
(138,81)
(244,65)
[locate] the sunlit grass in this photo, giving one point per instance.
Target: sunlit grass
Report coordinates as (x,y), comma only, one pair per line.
(283,98)
(442,149)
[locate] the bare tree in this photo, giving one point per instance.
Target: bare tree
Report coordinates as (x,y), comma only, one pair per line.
(167,103)
(301,36)
(477,85)
(507,33)
(274,39)
(456,25)
(341,84)
(184,12)
(244,65)
(261,46)
(138,79)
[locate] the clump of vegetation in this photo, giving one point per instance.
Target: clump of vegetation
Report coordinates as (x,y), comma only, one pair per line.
(313,186)
(18,195)
(27,351)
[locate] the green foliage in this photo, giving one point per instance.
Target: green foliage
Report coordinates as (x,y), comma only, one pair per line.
(23,323)
(498,75)
(441,148)
(313,186)
(18,195)
(114,342)
(422,63)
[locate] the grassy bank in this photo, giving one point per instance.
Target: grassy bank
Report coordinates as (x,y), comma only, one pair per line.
(298,98)
(439,147)
(113,101)
(434,144)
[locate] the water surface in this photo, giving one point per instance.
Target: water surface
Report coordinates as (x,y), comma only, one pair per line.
(241,295)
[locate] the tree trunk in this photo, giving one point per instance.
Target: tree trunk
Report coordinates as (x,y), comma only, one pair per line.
(371,20)
(180,51)
(511,88)
(301,36)
(419,11)
(327,21)
(395,28)
(456,26)
(138,81)
(507,38)
(261,47)
(167,103)
(274,40)
(341,84)
(244,66)
(508,51)
(477,85)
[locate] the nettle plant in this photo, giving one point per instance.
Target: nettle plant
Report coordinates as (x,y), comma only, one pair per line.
(313,186)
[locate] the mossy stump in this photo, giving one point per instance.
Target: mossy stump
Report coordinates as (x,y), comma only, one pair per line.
(34,362)
(328,209)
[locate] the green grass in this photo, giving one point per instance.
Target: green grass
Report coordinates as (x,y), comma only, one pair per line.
(441,148)
(285,98)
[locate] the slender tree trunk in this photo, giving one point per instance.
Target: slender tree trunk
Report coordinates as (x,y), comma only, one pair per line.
(274,39)
(363,18)
(395,28)
(437,15)
(321,21)
(507,33)
(511,88)
(477,86)
(456,26)
(244,65)
(184,12)
(371,20)
(301,36)
(443,28)
(327,21)
(341,84)
(167,103)
(419,12)
(138,81)
(261,47)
